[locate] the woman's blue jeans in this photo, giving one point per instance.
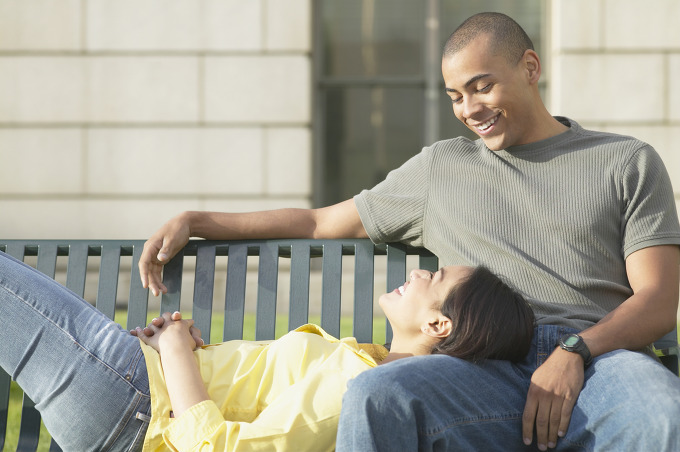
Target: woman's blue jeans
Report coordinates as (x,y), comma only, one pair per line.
(437,403)
(86,375)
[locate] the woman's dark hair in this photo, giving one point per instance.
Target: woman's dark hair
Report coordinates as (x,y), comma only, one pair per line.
(490,320)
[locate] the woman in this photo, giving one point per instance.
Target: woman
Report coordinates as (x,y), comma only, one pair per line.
(99,388)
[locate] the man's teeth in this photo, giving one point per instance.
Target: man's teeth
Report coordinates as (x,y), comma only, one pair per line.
(401,290)
(488,123)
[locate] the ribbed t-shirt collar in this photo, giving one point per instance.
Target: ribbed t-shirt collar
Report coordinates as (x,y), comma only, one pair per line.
(538,146)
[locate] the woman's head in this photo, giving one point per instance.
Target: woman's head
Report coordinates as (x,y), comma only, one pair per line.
(490,320)
(414,309)
(464,312)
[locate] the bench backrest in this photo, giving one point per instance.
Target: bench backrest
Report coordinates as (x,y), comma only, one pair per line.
(117,261)
(299,257)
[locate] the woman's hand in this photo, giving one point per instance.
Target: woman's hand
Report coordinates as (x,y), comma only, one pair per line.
(158,323)
(168,332)
(174,342)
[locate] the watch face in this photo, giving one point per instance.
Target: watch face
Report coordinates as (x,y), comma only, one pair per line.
(571,341)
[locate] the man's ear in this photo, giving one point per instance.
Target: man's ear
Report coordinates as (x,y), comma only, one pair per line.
(532,65)
(439,327)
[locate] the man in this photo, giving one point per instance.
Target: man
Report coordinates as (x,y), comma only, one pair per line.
(583,223)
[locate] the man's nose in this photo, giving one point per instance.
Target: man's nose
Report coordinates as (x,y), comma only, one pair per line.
(471,106)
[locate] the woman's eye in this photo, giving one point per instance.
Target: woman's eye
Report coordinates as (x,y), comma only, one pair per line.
(485,88)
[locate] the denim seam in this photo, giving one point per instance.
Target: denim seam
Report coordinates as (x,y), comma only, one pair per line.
(129,415)
(68,335)
(573,444)
(470,421)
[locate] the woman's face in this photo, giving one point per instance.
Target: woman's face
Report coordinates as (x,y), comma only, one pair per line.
(419,300)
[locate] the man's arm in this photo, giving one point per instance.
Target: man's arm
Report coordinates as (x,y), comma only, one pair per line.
(651,312)
(337,221)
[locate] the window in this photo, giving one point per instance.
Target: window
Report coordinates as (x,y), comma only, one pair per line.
(379,92)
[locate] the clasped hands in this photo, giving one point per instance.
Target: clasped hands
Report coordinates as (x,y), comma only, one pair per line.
(169,327)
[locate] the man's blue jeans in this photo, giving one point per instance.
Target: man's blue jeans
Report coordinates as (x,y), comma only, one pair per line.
(629,402)
(86,374)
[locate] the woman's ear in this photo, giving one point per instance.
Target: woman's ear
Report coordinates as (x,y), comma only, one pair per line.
(438,327)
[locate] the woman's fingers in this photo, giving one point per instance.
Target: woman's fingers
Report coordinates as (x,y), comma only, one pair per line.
(158,323)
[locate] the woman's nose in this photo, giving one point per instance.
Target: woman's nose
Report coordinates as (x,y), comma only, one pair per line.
(418,273)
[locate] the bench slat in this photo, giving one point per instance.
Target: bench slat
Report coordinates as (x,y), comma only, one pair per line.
(267,284)
(138,304)
(108,279)
(172,279)
(47,259)
(16,249)
(5,382)
(430,263)
(76,269)
(363,292)
(298,312)
(331,288)
(204,288)
(234,303)
(29,432)
(396,275)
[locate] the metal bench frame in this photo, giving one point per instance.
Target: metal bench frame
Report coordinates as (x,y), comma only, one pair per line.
(301,254)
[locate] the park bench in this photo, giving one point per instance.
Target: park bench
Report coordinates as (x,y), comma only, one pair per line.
(263,261)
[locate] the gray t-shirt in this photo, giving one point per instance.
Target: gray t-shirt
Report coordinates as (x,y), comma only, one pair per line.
(556,218)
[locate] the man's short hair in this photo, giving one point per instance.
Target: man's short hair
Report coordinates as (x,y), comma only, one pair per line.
(507,36)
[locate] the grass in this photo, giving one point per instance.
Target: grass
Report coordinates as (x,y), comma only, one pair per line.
(16,395)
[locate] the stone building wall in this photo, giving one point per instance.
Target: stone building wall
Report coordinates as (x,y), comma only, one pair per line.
(116,115)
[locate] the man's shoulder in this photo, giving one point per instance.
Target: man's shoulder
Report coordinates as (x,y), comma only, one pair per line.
(605,139)
(454,147)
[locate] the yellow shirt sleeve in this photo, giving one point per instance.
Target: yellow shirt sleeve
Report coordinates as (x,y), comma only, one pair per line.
(274,396)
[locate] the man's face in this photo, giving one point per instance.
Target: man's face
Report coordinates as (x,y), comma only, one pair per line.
(490,95)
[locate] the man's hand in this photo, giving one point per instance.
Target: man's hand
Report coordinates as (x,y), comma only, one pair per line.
(157,324)
(159,249)
(554,389)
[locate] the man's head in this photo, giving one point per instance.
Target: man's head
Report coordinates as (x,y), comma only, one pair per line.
(491,73)
(508,38)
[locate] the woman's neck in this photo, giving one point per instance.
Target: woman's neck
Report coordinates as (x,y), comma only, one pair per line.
(405,349)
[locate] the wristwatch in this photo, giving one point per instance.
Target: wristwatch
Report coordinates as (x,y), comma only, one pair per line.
(574,343)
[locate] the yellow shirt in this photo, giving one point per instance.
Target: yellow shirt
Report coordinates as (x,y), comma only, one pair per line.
(267,395)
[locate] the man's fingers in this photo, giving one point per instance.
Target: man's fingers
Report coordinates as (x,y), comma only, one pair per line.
(543,424)
(555,420)
(166,251)
(567,409)
(529,417)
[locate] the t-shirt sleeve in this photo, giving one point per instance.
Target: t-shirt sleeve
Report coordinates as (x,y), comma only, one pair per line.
(393,210)
(650,216)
